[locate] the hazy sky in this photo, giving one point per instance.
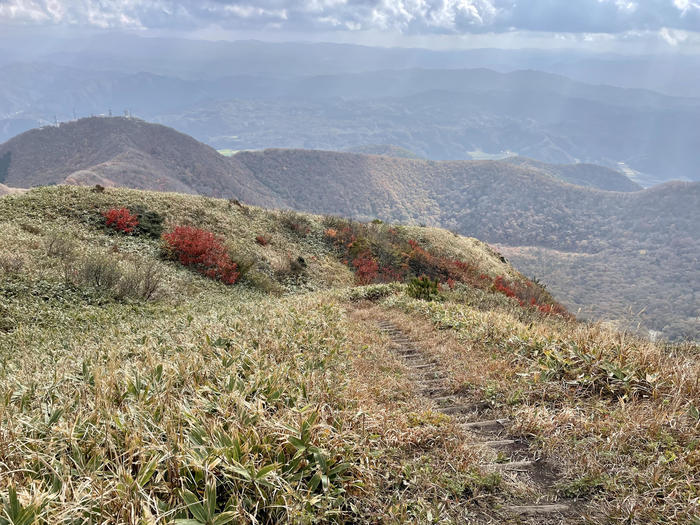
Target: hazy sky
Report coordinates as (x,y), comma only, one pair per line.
(615,24)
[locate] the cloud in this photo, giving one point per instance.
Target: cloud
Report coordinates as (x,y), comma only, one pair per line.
(686,5)
(673,37)
(410,17)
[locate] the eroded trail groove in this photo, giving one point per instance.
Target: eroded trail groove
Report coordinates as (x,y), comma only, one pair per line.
(510,457)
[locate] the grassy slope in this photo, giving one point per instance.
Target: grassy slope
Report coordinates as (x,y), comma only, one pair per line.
(110,409)
(625,256)
(637,252)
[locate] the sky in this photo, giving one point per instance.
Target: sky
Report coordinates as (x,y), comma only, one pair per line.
(640,25)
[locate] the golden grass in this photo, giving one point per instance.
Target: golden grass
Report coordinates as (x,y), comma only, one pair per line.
(125,411)
(617,413)
(292,407)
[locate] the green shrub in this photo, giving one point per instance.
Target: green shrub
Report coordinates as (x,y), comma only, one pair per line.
(150,222)
(262,281)
(100,271)
(103,273)
(11,263)
(292,270)
(423,288)
(30,228)
(245,264)
(59,245)
(295,222)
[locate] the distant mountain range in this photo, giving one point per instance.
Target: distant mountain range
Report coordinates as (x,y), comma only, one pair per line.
(203,60)
(438,114)
(611,253)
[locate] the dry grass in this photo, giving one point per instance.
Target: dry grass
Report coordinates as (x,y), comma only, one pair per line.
(290,406)
(118,410)
(618,414)
(432,465)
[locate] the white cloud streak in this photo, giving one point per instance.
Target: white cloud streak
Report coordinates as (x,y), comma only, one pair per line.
(409,17)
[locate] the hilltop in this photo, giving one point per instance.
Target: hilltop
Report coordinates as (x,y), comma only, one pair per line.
(600,251)
(322,383)
(589,175)
(121,151)
(389,150)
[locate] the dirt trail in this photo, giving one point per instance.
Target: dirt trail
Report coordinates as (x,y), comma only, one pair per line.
(511,457)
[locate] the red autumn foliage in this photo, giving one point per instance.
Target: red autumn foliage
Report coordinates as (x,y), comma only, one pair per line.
(366,268)
(527,294)
(390,275)
(120,219)
(202,251)
(500,285)
(262,240)
(392,259)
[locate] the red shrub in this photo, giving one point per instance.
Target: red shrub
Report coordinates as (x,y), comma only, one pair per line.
(500,285)
(262,240)
(527,294)
(366,268)
(202,251)
(390,275)
(121,220)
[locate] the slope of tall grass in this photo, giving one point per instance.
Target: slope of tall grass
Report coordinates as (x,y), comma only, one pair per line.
(275,399)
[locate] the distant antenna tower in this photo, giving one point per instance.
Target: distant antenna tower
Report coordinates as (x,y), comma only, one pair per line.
(110,112)
(55,120)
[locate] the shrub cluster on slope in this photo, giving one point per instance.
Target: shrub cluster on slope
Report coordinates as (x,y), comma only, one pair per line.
(202,251)
(381,254)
